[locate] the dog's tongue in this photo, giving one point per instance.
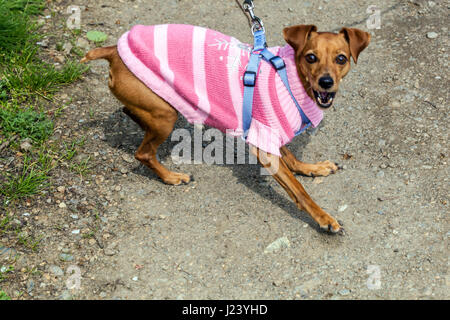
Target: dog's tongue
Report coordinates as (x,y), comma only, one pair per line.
(324,96)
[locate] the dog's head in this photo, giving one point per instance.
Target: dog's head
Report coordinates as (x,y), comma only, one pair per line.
(323,58)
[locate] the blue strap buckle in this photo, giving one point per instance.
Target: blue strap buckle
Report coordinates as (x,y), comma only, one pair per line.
(249,78)
(277,63)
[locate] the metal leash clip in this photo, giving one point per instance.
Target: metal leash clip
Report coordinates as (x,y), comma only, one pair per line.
(257,23)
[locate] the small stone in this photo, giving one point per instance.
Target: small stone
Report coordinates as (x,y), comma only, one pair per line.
(342,208)
(124,170)
(344,292)
(74,216)
(83,44)
(66,257)
(67,47)
(26,145)
(61,189)
(66,295)
(43,43)
(432,35)
(61,59)
(30,287)
(110,252)
(127,158)
(77,231)
(280,243)
(380,174)
(62,205)
(318,180)
(57,271)
(135,279)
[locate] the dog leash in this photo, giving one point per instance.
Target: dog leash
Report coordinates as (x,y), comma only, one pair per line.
(258,53)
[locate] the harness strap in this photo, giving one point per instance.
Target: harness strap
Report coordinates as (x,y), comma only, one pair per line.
(279,65)
(259,52)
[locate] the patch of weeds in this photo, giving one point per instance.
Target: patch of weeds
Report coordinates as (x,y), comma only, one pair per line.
(28,241)
(22,73)
(4,223)
(24,122)
(4,296)
(40,78)
(4,270)
(70,150)
(28,7)
(29,181)
(82,167)
(88,235)
(15,28)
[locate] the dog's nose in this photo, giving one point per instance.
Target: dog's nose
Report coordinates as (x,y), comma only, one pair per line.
(326,82)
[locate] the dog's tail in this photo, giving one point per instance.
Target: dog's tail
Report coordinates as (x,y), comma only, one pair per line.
(100,53)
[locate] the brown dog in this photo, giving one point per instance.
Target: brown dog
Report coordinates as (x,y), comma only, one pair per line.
(322,60)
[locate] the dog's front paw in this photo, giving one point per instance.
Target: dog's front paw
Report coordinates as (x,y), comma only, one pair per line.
(175,178)
(324,168)
(330,224)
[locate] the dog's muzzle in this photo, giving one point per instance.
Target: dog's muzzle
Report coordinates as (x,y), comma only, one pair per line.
(324,98)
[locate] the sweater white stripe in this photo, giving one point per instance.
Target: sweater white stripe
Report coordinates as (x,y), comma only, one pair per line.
(198,56)
(160,43)
(234,79)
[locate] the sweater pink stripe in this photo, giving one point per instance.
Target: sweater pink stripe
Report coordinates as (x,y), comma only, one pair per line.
(199,72)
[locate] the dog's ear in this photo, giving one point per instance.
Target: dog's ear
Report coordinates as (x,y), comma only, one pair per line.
(357,40)
(297,36)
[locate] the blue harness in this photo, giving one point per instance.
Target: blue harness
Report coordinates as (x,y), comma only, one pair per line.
(259,52)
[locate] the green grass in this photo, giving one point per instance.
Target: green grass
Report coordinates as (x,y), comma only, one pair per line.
(4,296)
(24,81)
(4,270)
(24,123)
(30,180)
(22,73)
(39,78)
(15,28)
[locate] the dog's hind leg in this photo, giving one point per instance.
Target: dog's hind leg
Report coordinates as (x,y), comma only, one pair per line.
(153,114)
(157,131)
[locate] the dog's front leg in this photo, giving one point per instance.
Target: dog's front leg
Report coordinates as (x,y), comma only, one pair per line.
(323,168)
(280,171)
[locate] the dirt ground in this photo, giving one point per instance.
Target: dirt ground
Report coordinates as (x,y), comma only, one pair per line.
(141,239)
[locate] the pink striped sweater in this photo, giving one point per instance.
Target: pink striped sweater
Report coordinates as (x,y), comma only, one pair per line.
(199,72)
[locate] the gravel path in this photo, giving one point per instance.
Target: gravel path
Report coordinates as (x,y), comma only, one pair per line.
(233,234)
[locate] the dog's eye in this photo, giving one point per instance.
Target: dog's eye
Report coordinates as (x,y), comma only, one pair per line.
(311,58)
(341,59)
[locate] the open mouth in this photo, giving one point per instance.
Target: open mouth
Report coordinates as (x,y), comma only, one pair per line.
(324,99)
